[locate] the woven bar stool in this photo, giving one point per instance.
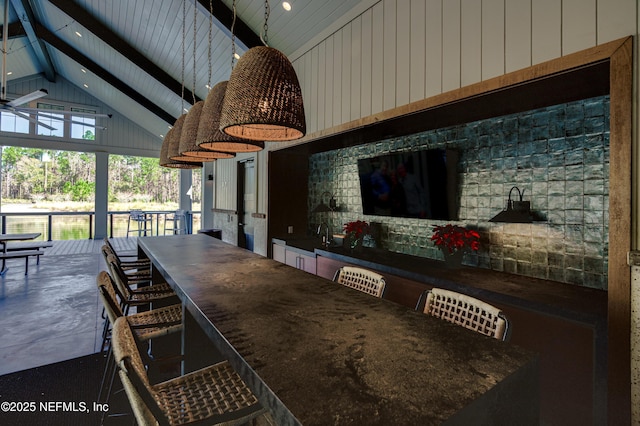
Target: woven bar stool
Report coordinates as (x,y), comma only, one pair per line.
(137,295)
(361,279)
(136,271)
(128,260)
(147,325)
(212,395)
(466,311)
(124,255)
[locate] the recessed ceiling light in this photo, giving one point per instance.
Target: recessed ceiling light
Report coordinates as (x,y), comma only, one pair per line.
(207,86)
(162,136)
(185,110)
(83,70)
(78,34)
(86,85)
(286,5)
(235,55)
(9,72)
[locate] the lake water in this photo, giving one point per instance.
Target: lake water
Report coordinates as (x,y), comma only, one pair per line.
(77,227)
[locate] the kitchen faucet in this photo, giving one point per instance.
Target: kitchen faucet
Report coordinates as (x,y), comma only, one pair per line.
(325,238)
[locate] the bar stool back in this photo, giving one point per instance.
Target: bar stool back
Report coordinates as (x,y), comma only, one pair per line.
(175,222)
(361,279)
(158,293)
(466,311)
(214,394)
(141,220)
(147,325)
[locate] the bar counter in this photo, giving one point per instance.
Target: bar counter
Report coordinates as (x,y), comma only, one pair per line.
(318,353)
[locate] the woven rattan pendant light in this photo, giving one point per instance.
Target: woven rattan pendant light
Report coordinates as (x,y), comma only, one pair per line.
(263,101)
(165,161)
(188,148)
(209,134)
(174,143)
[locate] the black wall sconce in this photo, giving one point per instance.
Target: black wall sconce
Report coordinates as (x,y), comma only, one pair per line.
(516,211)
(210,177)
(322,207)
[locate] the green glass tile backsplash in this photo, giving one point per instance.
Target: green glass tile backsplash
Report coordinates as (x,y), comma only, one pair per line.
(558,155)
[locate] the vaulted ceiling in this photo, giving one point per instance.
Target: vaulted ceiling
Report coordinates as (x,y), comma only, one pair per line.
(129,53)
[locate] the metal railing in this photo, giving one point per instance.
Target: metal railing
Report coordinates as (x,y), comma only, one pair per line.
(111,214)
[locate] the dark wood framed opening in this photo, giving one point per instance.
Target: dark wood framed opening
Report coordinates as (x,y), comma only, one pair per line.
(604,69)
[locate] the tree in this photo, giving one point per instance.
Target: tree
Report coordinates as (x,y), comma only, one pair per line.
(72,174)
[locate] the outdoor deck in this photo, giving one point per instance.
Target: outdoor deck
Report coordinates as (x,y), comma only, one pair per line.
(54,313)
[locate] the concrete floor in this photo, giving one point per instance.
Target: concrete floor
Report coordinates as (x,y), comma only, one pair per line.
(54,313)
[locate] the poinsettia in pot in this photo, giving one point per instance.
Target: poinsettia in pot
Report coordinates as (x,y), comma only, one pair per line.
(454,241)
(355,232)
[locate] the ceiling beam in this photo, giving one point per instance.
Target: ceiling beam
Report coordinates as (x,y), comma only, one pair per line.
(84,18)
(47,36)
(25,14)
(224,15)
(16,30)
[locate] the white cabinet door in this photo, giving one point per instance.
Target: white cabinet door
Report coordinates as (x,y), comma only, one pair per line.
(300,261)
(279,253)
(307,263)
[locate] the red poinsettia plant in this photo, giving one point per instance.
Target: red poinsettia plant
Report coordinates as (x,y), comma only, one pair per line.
(356,228)
(455,237)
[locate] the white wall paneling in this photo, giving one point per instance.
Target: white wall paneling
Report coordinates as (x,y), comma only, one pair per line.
(366,47)
(433,48)
(345,74)
(356,69)
(390,55)
(337,77)
(546,27)
(470,42)
(517,40)
(312,90)
(403,52)
(451,35)
(328,77)
(321,87)
(226,179)
(378,59)
(612,19)
(417,42)
(493,30)
(578,25)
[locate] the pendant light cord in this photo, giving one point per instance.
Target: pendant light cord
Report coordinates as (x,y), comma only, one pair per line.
(195,37)
(233,37)
(184,20)
(263,34)
(210,40)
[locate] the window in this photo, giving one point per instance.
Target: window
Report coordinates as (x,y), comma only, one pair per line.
(10,122)
(83,127)
(51,119)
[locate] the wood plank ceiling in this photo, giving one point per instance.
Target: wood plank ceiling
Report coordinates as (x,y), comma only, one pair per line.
(128,54)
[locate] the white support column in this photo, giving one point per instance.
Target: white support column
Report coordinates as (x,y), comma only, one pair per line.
(207,195)
(102,195)
(186,183)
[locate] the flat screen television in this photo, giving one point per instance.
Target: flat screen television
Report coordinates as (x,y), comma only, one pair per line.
(418,184)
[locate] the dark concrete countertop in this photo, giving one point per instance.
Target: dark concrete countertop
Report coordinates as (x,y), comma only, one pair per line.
(569,301)
(304,243)
(318,353)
